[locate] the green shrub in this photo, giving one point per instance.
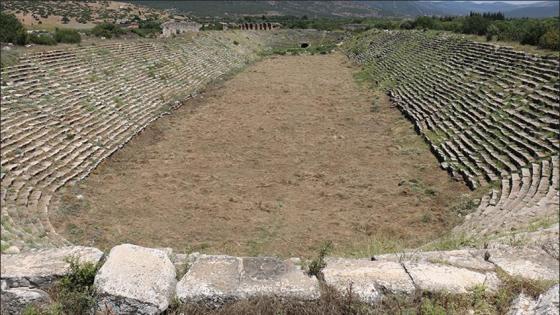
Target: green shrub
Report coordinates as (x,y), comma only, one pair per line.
(407,25)
(67,36)
(42,39)
(21,37)
(107,30)
(11,30)
(317,265)
(75,292)
(550,39)
(491,31)
(533,33)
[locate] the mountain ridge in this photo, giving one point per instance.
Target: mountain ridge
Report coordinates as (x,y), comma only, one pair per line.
(538,9)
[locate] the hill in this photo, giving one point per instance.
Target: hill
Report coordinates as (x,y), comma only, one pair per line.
(76,14)
(354,8)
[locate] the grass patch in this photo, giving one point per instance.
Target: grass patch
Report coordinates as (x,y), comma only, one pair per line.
(452,242)
(382,242)
(541,223)
(319,49)
(464,205)
(8,58)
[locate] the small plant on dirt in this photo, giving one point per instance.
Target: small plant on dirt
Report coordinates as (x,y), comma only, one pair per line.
(464,206)
(118,101)
(426,218)
(235,42)
(70,136)
(75,292)
(374,107)
(317,265)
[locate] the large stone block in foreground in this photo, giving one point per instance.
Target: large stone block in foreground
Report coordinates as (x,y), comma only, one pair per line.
(462,258)
(135,280)
(526,263)
(215,280)
(549,302)
(369,280)
(38,269)
(435,277)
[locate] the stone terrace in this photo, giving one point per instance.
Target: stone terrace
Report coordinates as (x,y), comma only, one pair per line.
(490,114)
(64,111)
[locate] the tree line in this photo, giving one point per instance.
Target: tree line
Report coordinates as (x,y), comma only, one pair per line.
(544,33)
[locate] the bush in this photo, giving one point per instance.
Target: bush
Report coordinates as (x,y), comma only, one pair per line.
(11,30)
(550,40)
(407,25)
(42,39)
(533,33)
(75,292)
(67,36)
(107,30)
(491,31)
(317,265)
(21,37)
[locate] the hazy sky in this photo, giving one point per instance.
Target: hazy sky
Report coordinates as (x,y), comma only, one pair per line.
(512,2)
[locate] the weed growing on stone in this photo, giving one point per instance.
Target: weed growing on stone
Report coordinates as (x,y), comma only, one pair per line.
(74,292)
(317,265)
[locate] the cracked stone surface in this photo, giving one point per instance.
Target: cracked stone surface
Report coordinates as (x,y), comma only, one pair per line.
(369,279)
(527,263)
(218,279)
(135,280)
(38,269)
(549,302)
(522,305)
(439,278)
(15,300)
(464,258)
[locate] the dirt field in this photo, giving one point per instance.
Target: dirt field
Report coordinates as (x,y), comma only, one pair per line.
(287,154)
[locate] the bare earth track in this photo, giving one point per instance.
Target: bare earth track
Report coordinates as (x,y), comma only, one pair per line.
(283,156)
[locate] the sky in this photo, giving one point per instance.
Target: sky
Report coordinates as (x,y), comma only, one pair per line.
(510,2)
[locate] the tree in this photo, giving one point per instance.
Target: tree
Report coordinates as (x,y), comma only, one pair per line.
(475,24)
(424,22)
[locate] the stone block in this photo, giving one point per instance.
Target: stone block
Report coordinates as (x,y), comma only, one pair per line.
(15,300)
(38,269)
(135,280)
(368,279)
(526,263)
(218,279)
(444,278)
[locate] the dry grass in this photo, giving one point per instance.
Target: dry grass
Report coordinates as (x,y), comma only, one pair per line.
(284,156)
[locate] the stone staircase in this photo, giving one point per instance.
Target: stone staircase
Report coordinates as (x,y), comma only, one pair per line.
(65,110)
(490,114)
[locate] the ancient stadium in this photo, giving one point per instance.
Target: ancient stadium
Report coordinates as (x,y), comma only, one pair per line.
(262,169)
